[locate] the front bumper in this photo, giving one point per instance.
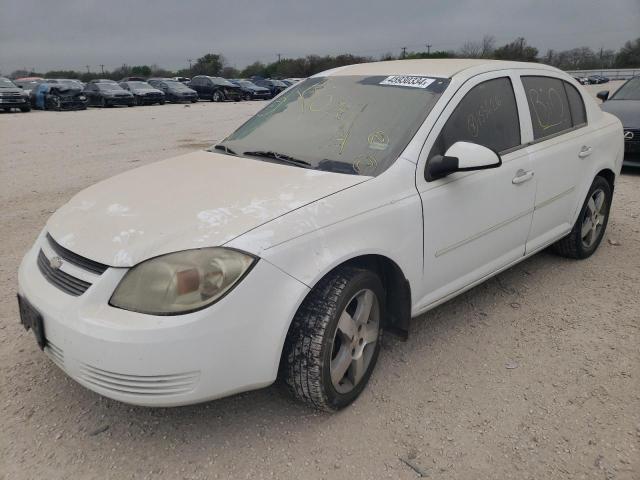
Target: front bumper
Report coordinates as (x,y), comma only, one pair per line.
(231,346)
(13,101)
(119,100)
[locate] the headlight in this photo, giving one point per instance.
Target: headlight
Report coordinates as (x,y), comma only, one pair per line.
(181,282)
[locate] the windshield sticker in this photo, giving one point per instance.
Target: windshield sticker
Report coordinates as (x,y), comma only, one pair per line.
(408,81)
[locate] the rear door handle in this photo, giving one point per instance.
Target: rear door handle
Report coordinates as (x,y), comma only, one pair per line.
(522,176)
(585,151)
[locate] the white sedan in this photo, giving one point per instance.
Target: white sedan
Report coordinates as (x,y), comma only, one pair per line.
(357,199)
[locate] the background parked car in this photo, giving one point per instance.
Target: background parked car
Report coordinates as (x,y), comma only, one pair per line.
(103,80)
(28,83)
(182,79)
(133,79)
(216,89)
(173,90)
(108,94)
(250,91)
(597,79)
(59,94)
(274,86)
(12,96)
(144,93)
(625,104)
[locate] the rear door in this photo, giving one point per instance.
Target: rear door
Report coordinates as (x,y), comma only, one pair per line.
(560,150)
(475,223)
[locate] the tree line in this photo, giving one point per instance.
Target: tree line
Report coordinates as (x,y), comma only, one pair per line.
(215,64)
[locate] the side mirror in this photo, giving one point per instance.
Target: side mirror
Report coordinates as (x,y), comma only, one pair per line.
(461,157)
(603,95)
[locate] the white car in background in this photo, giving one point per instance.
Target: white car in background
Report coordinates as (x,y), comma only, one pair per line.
(357,199)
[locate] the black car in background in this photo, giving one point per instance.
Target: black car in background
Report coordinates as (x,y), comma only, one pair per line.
(250,91)
(59,94)
(144,93)
(274,86)
(597,79)
(107,94)
(173,90)
(12,96)
(625,104)
(216,89)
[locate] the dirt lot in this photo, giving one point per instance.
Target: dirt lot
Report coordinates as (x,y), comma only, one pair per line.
(532,375)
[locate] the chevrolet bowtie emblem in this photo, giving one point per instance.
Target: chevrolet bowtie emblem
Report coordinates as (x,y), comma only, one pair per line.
(55,263)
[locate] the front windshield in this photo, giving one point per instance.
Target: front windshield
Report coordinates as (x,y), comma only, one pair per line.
(348,124)
(6,83)
(628,91)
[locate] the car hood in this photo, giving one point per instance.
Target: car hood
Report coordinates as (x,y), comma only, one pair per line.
(196,200)
(628,111)
(145,90)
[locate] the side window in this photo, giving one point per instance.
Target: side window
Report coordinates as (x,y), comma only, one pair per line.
(548,106)
(487,115)
(576,105)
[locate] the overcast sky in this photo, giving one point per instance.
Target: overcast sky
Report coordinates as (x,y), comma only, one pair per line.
(70,34)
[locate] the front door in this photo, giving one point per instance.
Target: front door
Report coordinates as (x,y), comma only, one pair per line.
(475,222)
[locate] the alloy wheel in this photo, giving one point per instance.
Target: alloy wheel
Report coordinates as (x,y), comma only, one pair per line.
(593,219)
(354,341)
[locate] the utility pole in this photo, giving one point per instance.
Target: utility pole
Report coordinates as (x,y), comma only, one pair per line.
(404,52)
(279,55)
(429,48)
(190,61)
(102,68)
(87,68)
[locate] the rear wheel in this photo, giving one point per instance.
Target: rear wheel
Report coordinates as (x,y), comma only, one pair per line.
(334,340)
(247,96)
(26,108)
(588,231)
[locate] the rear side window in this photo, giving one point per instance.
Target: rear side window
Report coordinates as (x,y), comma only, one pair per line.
(576,105)
(487,116)
(548,106)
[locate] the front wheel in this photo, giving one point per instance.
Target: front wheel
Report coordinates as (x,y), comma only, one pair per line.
(334,340)
(217,97)
(588,231)
(247,96)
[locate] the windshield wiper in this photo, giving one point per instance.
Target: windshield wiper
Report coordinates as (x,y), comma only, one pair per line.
(280,157)
(225,149)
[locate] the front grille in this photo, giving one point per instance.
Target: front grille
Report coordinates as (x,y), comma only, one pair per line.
(76,259)
(170,384)
(65,282)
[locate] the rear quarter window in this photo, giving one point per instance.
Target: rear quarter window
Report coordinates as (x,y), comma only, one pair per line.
(576,105)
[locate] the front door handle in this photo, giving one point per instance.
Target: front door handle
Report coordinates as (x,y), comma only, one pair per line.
(522,176)
(585,151)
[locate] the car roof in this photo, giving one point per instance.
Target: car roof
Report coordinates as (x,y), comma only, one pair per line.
(441,67)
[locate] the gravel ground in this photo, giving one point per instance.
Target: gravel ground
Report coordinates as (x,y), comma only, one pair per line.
(533,374)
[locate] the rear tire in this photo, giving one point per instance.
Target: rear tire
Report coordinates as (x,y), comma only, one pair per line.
(589,229)
(25,109)
(334,340)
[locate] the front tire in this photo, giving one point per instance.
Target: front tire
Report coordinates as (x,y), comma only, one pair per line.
(334,340)
(588,231)
(217,97)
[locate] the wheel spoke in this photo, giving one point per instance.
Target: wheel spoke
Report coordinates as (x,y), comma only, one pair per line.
(363,310)
(340,365)
(586,227)
(347,325)
(370,333)
(357,369)
(599,201)
(591,205)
